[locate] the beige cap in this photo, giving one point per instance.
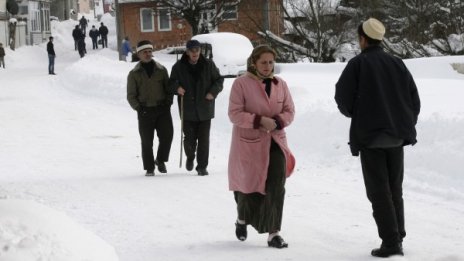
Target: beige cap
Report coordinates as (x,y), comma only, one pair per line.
(374,29)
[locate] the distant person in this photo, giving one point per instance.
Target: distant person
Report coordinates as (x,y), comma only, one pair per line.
(103,30)
(76,34)
(126,48)
(2,56)
(149,95)
(260,108)
(196,81)
(81,46)
(51,56)
(378,93)
(83,24)
(93,33)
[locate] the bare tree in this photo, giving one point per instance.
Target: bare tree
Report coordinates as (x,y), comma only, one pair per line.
(193,11)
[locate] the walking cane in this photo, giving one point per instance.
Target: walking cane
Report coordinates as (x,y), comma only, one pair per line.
(181,129)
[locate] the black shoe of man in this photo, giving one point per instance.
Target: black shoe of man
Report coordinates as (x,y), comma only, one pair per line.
(161,166)
(386,251)
(202,172)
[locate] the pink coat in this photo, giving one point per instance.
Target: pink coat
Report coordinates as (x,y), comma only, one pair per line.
(249,150)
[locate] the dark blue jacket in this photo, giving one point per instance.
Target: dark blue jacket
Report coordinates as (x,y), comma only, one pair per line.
(378,93)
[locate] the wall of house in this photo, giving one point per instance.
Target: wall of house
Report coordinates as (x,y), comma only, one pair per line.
(251,17)
(130,26)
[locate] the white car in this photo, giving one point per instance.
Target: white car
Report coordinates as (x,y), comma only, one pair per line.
(229,51)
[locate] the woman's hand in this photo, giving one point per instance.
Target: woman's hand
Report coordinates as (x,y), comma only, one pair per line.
(268,124)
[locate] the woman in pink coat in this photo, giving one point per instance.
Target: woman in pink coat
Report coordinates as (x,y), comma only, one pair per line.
(260,108)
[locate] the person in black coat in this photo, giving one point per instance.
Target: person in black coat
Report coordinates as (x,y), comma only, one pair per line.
(198,82)
(93,33)
(83,24)
(378,93)
(103,30)
(51,56)
(81,46)
(76,34)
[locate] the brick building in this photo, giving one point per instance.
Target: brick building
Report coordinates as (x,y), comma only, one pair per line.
(141,19)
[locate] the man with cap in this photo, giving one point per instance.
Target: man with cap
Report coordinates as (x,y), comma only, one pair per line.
(378,93)
(148,94)
(196,81)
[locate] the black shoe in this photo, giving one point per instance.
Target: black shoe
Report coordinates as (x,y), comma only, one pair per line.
(202,172)
(241,231)
(189,164)
(161,166)
(150,172)
(277,242)
(386,251)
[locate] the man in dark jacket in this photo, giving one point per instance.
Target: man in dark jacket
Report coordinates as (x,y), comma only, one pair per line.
(51,56)
(83,24)
(93,33)
(378,93)
(103,30)
(76,34)
(197,82)
(148,93)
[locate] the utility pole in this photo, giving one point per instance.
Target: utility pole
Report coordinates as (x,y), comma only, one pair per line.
(118,28)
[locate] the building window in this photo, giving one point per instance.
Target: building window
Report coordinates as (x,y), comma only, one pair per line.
(46,16)
(230,12)
(34,16)
(164,20)
(147,22)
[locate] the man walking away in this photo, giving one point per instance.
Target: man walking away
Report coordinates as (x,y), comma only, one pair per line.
(197,81)
(126,49)
(51,56)
(93,33)
(103,30)
(378,93)
(76,34)
(83,24)
(149,95)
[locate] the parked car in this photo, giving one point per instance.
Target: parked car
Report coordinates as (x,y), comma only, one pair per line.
(229,51)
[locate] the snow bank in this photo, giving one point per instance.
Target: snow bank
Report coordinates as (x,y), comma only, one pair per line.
(31,231)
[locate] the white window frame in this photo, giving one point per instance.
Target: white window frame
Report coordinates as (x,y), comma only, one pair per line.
(230,12)
(34,17)
(168,15)
(142,29)
(46,16)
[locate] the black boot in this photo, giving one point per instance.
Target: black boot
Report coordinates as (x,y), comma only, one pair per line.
(277,242)
(241,231)
(150,172)
(161,166)
(189,164)
(386,251)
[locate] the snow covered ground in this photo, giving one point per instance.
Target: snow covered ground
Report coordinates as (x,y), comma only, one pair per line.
(72,185)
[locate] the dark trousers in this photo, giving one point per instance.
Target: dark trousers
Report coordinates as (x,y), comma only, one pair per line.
(196,140)
(264,212)
(155,119)
(94,43)
(75,44)
(104,39)
(383,170)
(51,63)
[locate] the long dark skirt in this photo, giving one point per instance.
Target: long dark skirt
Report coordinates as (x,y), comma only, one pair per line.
(264,212)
